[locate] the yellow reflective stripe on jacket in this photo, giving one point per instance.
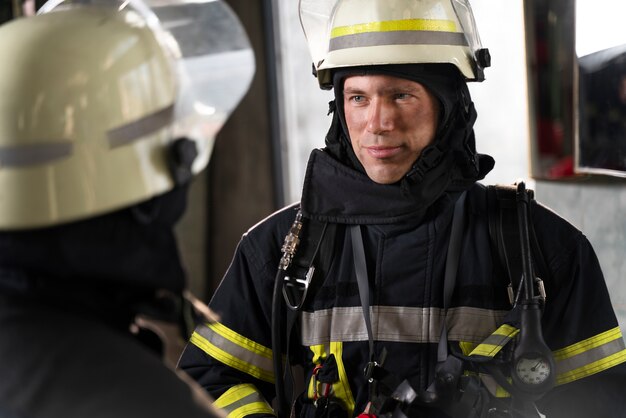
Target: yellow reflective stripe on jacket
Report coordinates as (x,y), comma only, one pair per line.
(340,390)
(590,356)
(487,380)
(495,342)
(396,25)
(234,350)
(242,400)
(574,362)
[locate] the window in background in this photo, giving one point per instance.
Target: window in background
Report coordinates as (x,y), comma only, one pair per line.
(576,54)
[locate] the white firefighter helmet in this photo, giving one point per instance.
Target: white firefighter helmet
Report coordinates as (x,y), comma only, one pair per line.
(349,33)
(98,96)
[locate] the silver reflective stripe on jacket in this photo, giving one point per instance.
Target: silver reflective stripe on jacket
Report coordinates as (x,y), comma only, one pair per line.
(399,324)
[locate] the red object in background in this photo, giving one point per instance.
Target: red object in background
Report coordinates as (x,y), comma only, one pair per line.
(562,168)
(550,137)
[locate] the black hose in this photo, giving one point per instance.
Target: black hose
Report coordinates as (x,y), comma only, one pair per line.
(278,327)
(523,203)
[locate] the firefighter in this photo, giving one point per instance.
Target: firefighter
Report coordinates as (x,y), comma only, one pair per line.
(390,296)
(98,143)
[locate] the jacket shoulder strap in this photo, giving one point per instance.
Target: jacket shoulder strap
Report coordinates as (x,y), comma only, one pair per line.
(504,233)
(315,244)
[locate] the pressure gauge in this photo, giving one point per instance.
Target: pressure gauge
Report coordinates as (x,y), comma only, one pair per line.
(533,370)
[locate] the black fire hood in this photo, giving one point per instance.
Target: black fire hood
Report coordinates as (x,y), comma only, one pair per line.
(457,114)
(134,247)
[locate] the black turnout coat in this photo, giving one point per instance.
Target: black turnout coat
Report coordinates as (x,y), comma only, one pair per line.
(405,229)
(405,262)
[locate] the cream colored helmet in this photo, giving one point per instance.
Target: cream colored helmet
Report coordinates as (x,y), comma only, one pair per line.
(96,98)
(348,33)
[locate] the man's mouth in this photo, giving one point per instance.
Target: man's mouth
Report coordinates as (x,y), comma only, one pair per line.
(379,151)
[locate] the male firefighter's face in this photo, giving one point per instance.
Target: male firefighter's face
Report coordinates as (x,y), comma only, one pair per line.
(390,121)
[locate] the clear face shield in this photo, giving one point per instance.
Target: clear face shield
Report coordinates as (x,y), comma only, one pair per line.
(465,15)
(315,18)
(319,20)
(210,53)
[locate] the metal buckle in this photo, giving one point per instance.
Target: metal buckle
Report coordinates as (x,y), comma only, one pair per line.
(369,371)
(540,288)
(296,284)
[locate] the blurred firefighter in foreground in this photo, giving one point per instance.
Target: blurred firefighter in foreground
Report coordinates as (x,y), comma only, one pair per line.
(104,121)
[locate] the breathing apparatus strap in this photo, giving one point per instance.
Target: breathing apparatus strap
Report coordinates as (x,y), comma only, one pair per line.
(360,269)
(448,368)
(505,237)
(307,253)
(452,266)
(374,371)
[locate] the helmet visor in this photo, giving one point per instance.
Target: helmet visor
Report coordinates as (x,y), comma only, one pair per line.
(464,13)
(315,17)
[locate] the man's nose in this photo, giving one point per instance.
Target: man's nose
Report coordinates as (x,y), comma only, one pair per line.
(380,117)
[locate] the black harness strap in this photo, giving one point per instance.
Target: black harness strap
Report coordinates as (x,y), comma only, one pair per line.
(311,257)
(505,237)
(452,262)
(452,266)
(363,282)
(360,268)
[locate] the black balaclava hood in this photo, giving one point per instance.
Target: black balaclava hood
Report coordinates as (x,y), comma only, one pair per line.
(132,248)
(449,164)
(110,267)
(444,81)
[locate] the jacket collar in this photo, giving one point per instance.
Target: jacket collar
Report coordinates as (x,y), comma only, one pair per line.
(334,192)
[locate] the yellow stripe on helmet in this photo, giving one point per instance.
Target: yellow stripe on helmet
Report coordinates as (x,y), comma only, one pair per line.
(396,25)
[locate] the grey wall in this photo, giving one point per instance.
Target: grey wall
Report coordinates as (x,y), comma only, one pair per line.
(598,210)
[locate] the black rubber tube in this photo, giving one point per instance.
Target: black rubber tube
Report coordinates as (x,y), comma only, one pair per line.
(278,331)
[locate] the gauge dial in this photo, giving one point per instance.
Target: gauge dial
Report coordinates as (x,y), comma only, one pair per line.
(533,370)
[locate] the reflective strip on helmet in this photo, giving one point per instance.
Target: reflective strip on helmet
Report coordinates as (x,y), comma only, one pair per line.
(242,400)
(495,342)
(234,350)
(590,356)
(430,25)
(399,324)
(397,32)
(34,154)
(340,390)
(139,128)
